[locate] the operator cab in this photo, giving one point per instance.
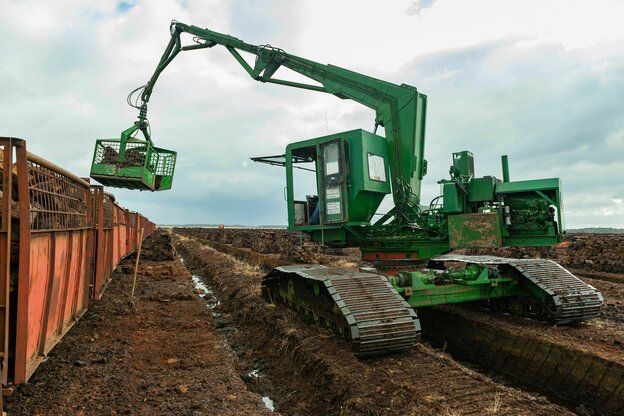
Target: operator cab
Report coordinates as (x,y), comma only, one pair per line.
(351,176)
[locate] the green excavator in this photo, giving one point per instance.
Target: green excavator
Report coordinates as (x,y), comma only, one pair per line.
(410,248)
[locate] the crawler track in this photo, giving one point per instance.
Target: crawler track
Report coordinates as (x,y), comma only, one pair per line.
(363,307)
(569,298)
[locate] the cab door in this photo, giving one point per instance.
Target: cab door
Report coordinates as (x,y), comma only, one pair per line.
(334,182)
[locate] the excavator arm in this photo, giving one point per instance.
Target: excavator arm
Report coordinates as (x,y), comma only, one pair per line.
(399,109)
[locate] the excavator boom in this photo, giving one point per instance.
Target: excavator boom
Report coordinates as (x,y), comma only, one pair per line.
(399,109)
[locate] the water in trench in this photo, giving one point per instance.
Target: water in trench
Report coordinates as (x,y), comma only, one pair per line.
(205,293)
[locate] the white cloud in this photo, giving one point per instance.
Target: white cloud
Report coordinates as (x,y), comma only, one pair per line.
(539,80)
(418,6)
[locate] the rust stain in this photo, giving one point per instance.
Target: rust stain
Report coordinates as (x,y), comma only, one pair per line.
(474,230)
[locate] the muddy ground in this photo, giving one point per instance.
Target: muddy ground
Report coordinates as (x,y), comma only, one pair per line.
(580,365)
(164,356)
(220,349)
(310,372)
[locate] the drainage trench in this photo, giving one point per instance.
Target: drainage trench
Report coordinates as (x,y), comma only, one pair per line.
(289,375)
(580,378)
(255,379)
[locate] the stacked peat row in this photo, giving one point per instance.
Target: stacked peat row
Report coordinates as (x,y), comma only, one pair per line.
(158,258)
(14,197)
(294,247)
(56,202)
(595,252)
(158,248)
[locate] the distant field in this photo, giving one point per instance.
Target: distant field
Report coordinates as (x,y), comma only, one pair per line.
(589,230)
(597,230)
(219,225)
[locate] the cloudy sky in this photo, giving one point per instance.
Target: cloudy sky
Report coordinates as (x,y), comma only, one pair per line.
(541,81)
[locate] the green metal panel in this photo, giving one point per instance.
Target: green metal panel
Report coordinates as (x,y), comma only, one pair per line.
(453,203)
(482,189)
(432,295)
(472,283)
(373,177)
(327,234)
(524,186)
(369,179)
(475,230)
